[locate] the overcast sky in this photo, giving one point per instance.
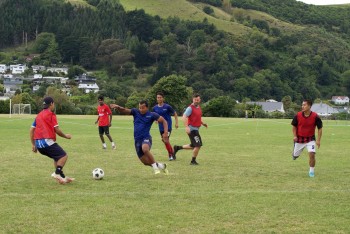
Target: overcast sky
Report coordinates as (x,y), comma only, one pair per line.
(325,2)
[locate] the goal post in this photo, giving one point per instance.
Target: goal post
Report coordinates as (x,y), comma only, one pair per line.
(21,109)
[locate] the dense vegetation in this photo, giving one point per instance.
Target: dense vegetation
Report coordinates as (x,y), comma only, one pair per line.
(131,51)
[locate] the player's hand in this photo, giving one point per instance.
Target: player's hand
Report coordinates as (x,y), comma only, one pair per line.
(295,139)
(68,136)
(96,122)
(114,106)
(205,125)
(110,124)
(34,149)
(318,143)
(176,125)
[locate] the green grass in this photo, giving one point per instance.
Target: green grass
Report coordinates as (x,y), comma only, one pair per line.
(246,181)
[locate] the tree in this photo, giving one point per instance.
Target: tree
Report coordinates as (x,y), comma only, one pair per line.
(222,106)
(175,91)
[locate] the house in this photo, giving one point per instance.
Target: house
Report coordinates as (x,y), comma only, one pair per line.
(340,100)
(269,106)
(3,68)
(323,109)
(63,70)
(38,68)
(12,84)
(89,87)
(18,68)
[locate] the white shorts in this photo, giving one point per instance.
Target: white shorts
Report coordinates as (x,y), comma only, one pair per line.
(299,147)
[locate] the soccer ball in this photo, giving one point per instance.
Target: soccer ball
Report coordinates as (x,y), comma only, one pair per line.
(98,174)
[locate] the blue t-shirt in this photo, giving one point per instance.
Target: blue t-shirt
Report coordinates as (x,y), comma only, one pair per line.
(143,123)
(166,111)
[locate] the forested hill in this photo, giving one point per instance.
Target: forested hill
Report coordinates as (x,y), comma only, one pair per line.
(240,48)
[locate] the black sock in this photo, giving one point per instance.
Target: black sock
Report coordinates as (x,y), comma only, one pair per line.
(59,171)
(193,159)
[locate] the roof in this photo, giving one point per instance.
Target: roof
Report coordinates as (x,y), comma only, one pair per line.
(269,106)
(323,109)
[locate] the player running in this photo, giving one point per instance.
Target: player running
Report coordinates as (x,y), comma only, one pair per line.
(166,111)
(304,125)
(43,136)
(143,120)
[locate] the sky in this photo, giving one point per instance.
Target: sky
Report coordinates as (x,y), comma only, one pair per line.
(325,2)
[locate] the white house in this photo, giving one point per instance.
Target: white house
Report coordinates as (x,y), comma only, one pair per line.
(323,109)
(11,85)
(3,68)
(38,68)
(58,69)
(269,106)
(89,87)
(18,68)
(340,100)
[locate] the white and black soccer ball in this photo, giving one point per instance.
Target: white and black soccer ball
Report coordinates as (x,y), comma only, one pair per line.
(98,174)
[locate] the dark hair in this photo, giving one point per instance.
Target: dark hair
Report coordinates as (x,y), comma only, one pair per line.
(196,95)
(160,93)
(101,97)
(308,101)
(144,102)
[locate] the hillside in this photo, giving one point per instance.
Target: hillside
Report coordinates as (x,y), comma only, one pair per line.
(194,11)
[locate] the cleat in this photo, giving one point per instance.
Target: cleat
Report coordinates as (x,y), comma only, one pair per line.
(176,148)
(194,163)
(104,147)
(156,171)
(165,170)
(312,174)
(295,157)
(171,158)
(114,147)
(58,178)
(68,179)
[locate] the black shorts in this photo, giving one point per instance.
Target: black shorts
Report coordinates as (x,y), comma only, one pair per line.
(103,130)
(53,151)
(195,138)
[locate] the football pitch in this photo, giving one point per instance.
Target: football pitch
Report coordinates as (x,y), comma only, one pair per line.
(246,182)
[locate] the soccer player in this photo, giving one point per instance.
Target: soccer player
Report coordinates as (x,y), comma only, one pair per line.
(43,136)
(104,121)
(304,125)
(143,120)
(166,111)
(193,121)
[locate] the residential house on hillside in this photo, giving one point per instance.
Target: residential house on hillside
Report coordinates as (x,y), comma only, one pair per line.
(38,68)
(269,107)
(323,109)
(340,100)
(18,68)
(3,68)
(63,70)
(12,84)
(87,83)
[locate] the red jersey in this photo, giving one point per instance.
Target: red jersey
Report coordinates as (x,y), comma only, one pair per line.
(195,119)
(103,112)
(306,126)
(45,123)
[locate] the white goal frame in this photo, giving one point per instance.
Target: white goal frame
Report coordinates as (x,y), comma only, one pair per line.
(21,109)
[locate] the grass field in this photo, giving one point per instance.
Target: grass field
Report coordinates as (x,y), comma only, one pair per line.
(246,181)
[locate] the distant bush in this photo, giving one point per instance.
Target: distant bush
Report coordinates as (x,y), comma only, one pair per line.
(208,10)
(217,3)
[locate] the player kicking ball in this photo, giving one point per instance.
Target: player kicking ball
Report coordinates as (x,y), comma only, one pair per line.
(143,120)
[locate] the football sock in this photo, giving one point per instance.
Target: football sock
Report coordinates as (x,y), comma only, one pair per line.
(193,159)
(169,148)
(160,165)
(312,169)
(104,145)
(59,171)
(154,165)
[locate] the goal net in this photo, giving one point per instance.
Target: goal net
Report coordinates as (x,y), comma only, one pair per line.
(21,109)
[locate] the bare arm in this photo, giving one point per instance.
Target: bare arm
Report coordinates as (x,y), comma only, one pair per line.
(185,120)
(122,110)
(165,126)
(110,120)
(97,119)
(31,135)
(319,135)
(294,129)
(61,134)
(176,120)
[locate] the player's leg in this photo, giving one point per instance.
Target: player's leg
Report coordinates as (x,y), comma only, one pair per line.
(298,149)
(196,143)
(311,147)
(168,146)
(101,132)
(109,137)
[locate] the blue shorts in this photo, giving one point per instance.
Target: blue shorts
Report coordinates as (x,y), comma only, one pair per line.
(162,132)
(54,151)
(139,143)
